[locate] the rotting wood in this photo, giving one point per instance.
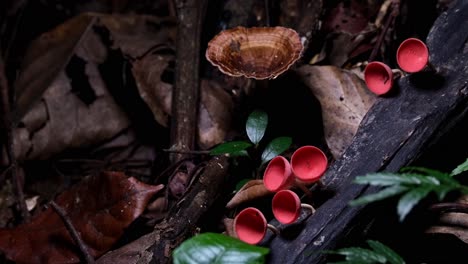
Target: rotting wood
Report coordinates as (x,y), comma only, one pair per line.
(395,132)
(181,222)
(190,14)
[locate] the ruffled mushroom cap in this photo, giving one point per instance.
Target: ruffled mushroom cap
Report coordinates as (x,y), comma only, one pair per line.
(258,52)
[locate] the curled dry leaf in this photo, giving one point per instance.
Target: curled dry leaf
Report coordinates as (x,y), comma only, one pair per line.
(152,74)
(251,190)
(344,99)
(455,223)
(100,208)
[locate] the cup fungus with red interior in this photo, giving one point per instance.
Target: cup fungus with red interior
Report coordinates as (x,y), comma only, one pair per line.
(278,174)
(412,55)
(308,164)
(287,206)
(257,52)
(378,77)
(250,226)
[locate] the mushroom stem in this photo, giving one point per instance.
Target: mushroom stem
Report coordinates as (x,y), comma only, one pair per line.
(308,206)
(273,229)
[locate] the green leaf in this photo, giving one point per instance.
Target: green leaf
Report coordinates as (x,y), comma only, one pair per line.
(391,256)
(387,179)
(410,199)
(233,147)
(275,147)
(442,191)
(362,255)
(385,193)
(460,168)
(256,125)
(212,248)
(427,171)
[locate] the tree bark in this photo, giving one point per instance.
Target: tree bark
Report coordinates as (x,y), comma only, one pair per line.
(395,132)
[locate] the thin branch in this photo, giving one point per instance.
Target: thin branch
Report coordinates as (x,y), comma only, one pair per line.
(185,98)
(73,232)
(196,152)
(390,19)
(8,124)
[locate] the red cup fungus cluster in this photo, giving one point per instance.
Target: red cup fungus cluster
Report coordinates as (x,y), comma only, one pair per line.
(412,56)
(308,164)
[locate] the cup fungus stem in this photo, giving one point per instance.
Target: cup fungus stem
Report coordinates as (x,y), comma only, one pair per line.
(308,206)
(273,229)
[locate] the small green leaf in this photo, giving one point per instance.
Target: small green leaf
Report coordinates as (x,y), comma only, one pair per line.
(256,125)
(212,248)
(410,199)
(275,147)
(460,168)
(391,256)
(362,255)
(233,147)
(385,193)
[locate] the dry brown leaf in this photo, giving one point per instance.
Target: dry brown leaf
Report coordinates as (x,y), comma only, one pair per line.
(45,58)
(461,232)
(251,190)
(344,99)
(100,208)
(66,121)
(214,115)
(153,89)
(453,223)
(60,72)
(216,105)
(137,35)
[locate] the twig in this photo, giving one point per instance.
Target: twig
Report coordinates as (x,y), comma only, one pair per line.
(196,152)
(73,232)
(9,125)
(185,98)
(390,19)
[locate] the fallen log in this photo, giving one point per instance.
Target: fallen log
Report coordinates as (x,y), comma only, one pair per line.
(395,132)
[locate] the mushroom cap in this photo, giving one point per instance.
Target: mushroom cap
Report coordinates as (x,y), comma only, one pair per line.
(286,206)
(250,225)
(412,55)
(378,77)
(278,174)
(257,52)
(309,163)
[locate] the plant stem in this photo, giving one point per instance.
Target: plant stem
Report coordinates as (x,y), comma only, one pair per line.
(73,232)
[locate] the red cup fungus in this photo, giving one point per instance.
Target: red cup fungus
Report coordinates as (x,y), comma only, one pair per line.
(286,206)
(308,164)
(412,55)
(250,226)
(378,77)
(278,174)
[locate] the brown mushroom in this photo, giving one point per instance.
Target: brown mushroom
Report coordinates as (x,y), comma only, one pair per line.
(258,52)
